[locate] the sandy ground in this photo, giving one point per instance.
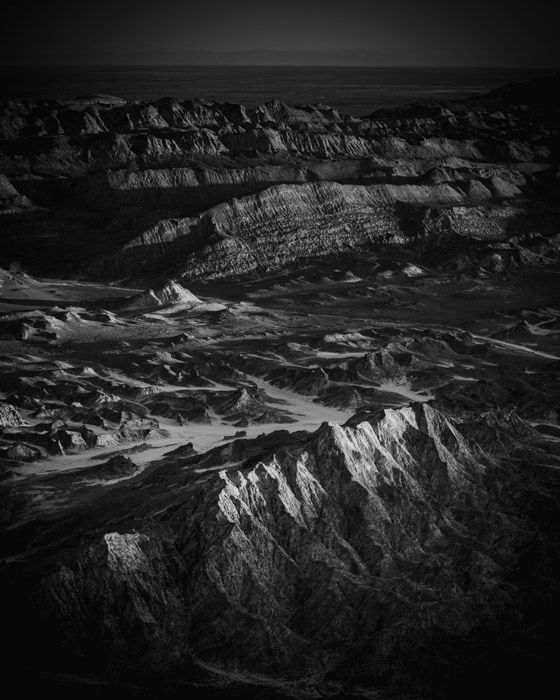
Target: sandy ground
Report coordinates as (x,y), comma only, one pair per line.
(307,415)
(279,331)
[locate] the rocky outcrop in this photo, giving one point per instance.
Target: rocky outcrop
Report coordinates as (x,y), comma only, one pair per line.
(293,222)
(369,553)
(170,294)
(9,415)
(136,575)
(127,173)
(10,199)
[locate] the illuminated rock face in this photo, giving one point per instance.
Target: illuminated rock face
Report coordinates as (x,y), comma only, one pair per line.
(9,415)
(290,223)
(357,554)
(170,294)
(215,190)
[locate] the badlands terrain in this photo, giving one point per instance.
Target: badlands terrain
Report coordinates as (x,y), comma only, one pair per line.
(280,398)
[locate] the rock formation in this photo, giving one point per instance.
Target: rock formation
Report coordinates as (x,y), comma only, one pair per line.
(170,294)
(280,399)
(141,181)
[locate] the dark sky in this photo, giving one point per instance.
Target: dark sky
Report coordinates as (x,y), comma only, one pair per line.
(347,32)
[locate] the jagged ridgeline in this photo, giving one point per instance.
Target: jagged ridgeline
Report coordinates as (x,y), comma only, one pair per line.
(106,189)
(280,398)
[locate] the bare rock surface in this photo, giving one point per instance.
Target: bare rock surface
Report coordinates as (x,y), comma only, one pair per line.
(142,181)
(280,399)
(170,294)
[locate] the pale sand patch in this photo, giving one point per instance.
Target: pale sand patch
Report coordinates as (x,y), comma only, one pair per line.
(307,414)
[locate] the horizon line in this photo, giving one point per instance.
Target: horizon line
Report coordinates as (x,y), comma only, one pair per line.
(281,65)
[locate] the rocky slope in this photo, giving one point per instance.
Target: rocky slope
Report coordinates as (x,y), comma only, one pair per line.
(407,546)
(344,559)
(141,181)
(312,448)
(170,294)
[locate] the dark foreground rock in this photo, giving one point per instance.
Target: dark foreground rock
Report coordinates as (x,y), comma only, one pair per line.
(405,554)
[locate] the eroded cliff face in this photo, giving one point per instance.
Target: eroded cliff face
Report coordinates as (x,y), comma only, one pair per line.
(290,223)
(143,183)
(376,555)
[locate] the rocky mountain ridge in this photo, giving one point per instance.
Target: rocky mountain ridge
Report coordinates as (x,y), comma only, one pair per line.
(319,560)
(125,174)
